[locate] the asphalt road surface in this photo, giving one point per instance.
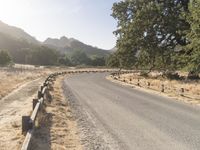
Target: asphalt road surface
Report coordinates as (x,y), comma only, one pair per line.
(126,118)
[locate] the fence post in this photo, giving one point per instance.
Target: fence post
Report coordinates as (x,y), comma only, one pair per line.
(148,84)
(182,92)
(162,88)
(138,83)
(49,97)
(39,94)
(41,88)
(35,101)
(26,124)
(50,86)
(124,79)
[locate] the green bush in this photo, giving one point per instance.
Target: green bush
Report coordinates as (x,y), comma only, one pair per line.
(5,58)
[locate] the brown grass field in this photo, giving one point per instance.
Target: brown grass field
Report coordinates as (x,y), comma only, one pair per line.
(10,80)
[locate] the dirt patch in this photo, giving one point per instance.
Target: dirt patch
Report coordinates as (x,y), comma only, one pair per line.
(172,88)
(58,129)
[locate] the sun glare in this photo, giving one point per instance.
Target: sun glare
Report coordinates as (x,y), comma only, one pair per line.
(11,9)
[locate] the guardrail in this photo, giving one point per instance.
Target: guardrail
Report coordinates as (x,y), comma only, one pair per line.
(180,91)
(28,122)
(43,95)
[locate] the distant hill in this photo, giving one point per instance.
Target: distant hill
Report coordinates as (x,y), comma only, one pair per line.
(24,48)
(60,43)
(13,45)
(16,33)
(69,45)
(15,38)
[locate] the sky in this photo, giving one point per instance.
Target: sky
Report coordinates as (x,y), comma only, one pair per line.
(86,20)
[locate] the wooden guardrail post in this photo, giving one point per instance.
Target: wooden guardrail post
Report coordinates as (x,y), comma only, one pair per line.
(39,94)
(182,92)
(41,88)
(148,84)
(26,124)
(50,87)
(138,83)
(35,101)
(48,95)
(162,88)
(45,84)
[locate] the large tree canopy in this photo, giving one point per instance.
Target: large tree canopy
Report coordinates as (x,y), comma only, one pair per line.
(193,48)
(148,32)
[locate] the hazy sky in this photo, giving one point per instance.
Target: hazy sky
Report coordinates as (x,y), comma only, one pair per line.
(86,20)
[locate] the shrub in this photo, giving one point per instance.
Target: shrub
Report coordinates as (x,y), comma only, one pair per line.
(5,58)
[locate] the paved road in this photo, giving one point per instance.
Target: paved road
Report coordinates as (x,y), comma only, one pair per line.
(134,119)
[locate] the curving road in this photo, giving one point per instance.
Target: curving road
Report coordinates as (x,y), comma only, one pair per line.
(125,118)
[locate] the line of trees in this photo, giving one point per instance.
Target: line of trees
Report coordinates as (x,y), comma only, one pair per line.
(45,56)
(157,34)
(78,58)
(34,55)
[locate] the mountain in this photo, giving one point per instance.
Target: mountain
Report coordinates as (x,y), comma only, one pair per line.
(60,43)
(24,48)
(16,33)
(69,45)
(15,38)
(8,42)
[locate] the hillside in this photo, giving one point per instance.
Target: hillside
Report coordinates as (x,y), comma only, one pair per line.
(69,45)
(25,49)
(16,33)
(14,46)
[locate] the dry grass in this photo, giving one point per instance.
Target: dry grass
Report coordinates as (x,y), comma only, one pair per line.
(10,80)
(172,88)
(10,126)
(10,118)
